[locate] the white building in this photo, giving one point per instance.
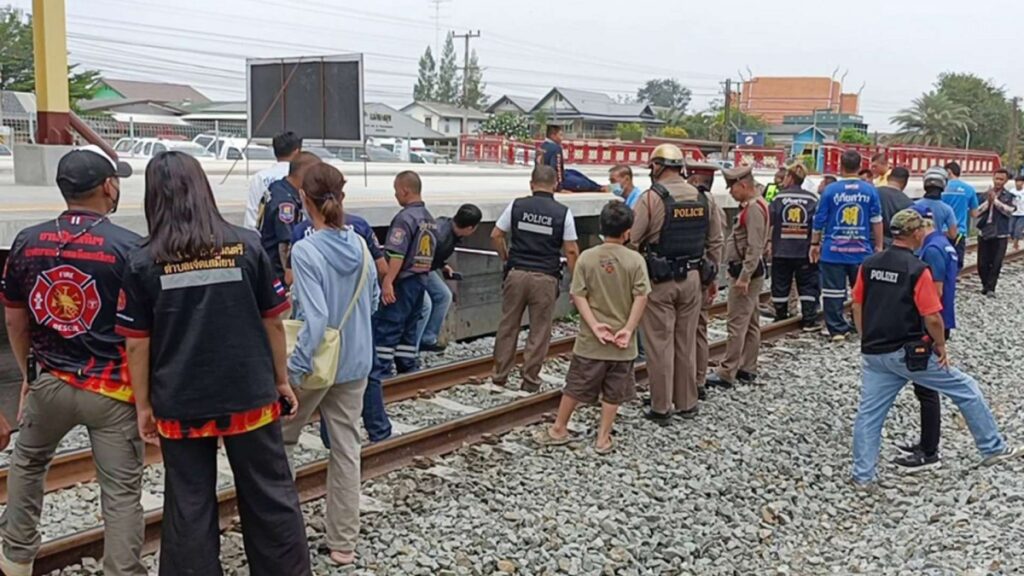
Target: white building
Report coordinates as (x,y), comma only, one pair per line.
(445,118)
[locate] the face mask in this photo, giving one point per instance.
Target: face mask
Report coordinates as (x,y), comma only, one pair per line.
(116,200)
(617,189)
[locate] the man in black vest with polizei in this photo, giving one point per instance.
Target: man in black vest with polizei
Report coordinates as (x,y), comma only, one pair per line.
(898,311)
(541,229)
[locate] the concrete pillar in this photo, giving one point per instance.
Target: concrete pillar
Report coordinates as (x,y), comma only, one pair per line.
(51,66)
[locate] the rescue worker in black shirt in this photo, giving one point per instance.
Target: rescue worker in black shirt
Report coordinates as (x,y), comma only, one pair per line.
(281,212)
(679,231)
(202,316)
(541,228)
(60,293)
(551,154)
(792,213)
(701,175)
(897,309)
(410,246)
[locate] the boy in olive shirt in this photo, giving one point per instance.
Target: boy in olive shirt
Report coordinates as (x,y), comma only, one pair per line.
(610,288)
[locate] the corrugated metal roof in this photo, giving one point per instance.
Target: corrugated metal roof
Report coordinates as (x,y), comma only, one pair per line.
(449,110)
(155,91)
(598,106)
(17,104)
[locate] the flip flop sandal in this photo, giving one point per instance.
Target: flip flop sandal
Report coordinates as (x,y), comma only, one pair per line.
(339,558)
(605,451)
(544,438)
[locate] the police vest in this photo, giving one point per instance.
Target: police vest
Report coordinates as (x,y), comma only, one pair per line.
(938,241)
(889,313)
(538,225)
(685,227)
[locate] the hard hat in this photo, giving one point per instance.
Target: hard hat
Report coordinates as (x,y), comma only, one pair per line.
(935,176)
(667,155)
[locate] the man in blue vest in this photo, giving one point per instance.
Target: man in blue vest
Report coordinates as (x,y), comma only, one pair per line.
(847,229)
(940,256)
(551,154)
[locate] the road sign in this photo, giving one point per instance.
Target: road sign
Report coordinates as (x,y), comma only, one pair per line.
(750,138)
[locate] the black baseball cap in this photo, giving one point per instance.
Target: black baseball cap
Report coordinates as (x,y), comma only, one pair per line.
(87,167)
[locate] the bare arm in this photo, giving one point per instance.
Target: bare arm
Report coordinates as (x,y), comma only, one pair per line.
(876,236)
(138,369)
(939,287)
(603,331)
(858,317)
(382,267)
(498,242)
(279,352)
(937,330)
(953,232)
(572,253)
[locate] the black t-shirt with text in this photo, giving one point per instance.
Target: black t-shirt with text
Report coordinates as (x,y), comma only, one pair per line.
(67,273)
(210,356)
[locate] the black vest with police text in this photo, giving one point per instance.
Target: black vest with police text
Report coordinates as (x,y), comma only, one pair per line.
(685,227)
(890,316)
(538,225)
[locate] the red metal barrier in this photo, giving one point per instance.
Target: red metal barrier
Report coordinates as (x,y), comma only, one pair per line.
(601,152)
(760,157)
(917,159)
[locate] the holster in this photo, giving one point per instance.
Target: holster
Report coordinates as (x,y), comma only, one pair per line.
(917,354)
(736,268)
(661,269)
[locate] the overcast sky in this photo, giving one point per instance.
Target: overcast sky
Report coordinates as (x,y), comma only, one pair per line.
(894,49)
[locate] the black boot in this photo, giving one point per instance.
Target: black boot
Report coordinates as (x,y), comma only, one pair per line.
(716,381)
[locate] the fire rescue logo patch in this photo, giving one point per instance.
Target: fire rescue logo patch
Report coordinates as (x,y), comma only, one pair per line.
(66,300)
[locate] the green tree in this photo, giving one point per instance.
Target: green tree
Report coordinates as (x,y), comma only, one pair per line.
(851,135)
(932,120)
(17,63)
(674,132)
(539,122)
(987,108)
(665,93)
(507,124)
(426,84)
(447,76)
(633,132)
(473,85)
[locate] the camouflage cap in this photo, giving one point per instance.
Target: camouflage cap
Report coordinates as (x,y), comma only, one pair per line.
(905,222)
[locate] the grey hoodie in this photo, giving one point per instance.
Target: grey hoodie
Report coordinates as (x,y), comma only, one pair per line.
(326,266)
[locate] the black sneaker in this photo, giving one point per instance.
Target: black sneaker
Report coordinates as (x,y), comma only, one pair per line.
(917,462)
(702,393)
(689,414)
(746,377)
(435,347)
(658,418)
(909,449)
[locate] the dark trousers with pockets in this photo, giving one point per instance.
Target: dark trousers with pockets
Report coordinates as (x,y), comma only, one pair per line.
(931,417)
(273,530)
(961,249)
(991,252)
(835,278)
(808,286)
(395,343)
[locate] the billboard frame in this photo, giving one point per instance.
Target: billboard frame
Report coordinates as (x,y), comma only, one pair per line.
(352,57)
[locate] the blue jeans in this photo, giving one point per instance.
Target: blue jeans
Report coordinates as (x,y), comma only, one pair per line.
(884,375)
(435,308)
(394,340)
(834,281)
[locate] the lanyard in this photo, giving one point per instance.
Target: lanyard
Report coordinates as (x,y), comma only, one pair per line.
(63,243)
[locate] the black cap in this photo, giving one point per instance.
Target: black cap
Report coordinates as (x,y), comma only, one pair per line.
(86,168)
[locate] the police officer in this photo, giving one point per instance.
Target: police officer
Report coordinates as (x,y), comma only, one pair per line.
(281,211)
(792,212)
(60,293)
(897,309)
(679,231)
(541,229)
(410,247)
(701,175)
(744,255)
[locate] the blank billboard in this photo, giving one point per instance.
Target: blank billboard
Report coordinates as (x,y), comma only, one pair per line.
(322,98)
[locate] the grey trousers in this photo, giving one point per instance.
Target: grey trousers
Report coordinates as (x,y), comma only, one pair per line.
(53,408)
(340,407)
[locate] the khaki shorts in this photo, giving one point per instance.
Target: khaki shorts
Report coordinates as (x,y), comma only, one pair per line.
(591,380)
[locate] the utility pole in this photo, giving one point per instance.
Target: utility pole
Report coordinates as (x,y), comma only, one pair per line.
(465,72)
(437,26)
(727,117)
(1014,134)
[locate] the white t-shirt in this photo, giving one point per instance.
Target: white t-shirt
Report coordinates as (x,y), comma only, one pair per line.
(258,189)
(1018,201)
(504,223)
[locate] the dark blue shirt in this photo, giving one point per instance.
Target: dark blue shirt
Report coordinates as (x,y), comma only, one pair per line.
(551,155)
(940,256)
(282,211)
(412,237)
(359,226)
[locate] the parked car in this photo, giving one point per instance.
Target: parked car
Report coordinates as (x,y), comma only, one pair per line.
(427,157)
(378,154)
(124,145)
(149,147)
(321,152)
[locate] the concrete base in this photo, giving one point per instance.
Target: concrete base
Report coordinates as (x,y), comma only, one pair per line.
(36,164)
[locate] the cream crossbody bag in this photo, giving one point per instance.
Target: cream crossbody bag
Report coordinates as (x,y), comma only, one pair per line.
(328,353)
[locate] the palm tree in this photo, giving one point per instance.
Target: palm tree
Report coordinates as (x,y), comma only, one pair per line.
(931,120)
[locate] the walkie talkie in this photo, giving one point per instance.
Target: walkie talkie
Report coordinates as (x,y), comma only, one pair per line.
(31,367)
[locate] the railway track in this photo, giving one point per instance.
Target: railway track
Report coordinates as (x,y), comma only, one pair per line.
(377,459)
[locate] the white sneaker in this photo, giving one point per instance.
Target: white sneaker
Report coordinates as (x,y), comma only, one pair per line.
(839,337)
(1008,454)
(11,568)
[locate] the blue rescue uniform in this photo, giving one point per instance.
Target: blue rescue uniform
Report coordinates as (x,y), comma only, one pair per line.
(551,155)
(412,238)
(278,216)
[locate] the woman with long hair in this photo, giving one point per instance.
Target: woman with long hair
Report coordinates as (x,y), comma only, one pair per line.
(335,284)
(200,310)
